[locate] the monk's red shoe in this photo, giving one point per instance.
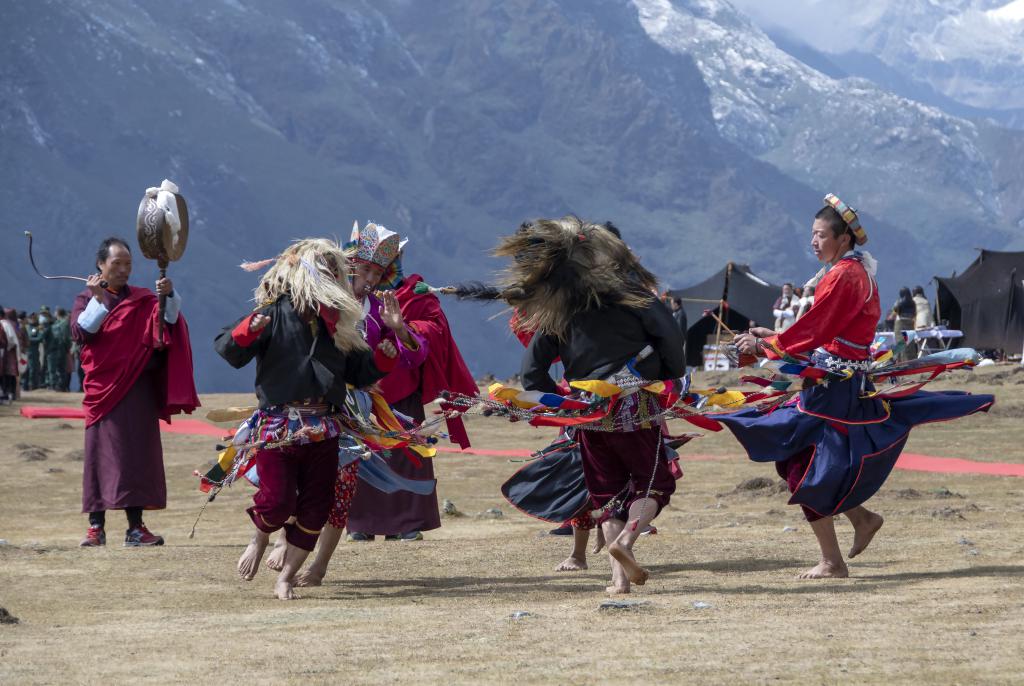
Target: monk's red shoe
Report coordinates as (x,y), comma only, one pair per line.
(95,536)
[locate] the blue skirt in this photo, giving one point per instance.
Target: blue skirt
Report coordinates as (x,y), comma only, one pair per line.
(853,443)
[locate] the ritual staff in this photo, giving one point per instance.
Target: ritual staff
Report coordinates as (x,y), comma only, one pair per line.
(591,304)
(307,347)
(835,444)
(133,378)
(418,379)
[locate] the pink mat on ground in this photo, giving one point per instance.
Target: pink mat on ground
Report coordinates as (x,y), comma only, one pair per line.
(955,465)
(53,412)
(909,461)
(180,425)
(195,427)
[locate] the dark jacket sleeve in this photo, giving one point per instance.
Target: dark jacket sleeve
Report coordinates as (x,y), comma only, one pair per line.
(236,355)
(360,370)
(666,339)
(537,361)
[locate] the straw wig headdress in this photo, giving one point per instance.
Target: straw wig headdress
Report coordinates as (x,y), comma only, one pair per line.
(561,267)
(313,272)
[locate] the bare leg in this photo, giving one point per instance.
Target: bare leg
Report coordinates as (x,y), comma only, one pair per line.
(620,581)
(293,559)
(250,560)
(641,514)
(865,525)
(276,558)
(578,560)
(598,541)
(831,565)
(315,572)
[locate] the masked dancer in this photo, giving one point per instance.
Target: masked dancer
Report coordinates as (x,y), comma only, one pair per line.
(307,347)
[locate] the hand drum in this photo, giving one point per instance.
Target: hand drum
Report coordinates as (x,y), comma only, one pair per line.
(162,224)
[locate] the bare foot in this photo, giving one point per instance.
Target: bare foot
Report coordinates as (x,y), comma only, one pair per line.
(617,590)
(864,531)
(598,541)
(572,564)
(249,563)
(636,574)
(310,577)
(284,590)
(826,570)
(275,560)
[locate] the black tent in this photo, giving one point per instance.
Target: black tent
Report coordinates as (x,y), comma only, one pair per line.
(748,298)
(986,302)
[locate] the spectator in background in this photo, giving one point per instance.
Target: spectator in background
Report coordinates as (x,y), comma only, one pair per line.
(57,350)
(923,318)
(798,296)
(45,326)
(783,309)
(679,314)
(76,364)
(805,302)
(32,378)
(7,349)
(22,321)
(905,311)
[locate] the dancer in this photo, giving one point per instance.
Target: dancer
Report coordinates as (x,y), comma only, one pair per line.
(307,347)
(439,366)
(376,249)
(551,487)
(837,442)
(132,380)
(591,303)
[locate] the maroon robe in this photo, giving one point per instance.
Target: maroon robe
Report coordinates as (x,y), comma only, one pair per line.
(129,385)
(387,514)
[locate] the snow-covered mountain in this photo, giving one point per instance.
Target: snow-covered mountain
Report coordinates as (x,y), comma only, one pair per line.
(892,156)
(969,50)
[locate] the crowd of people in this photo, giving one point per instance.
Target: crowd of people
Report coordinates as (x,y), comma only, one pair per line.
(348,350)
(37,352)
(911,312)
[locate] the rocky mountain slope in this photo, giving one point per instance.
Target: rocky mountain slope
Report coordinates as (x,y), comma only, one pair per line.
(452,122)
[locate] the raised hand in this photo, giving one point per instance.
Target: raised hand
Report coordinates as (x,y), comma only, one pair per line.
(391,312)
(391,315)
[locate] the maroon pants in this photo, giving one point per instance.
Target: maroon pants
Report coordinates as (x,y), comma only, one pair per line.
(792,469)
(612,461)
(295,480)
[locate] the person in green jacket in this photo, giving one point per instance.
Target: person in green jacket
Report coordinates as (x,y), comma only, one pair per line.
(57,349)
(36,334)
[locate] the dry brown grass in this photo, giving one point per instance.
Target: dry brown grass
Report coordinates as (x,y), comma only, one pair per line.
(937,598)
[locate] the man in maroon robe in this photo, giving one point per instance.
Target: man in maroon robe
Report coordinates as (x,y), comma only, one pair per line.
(132,380)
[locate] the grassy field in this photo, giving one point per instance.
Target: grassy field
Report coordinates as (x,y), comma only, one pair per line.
(938,597)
